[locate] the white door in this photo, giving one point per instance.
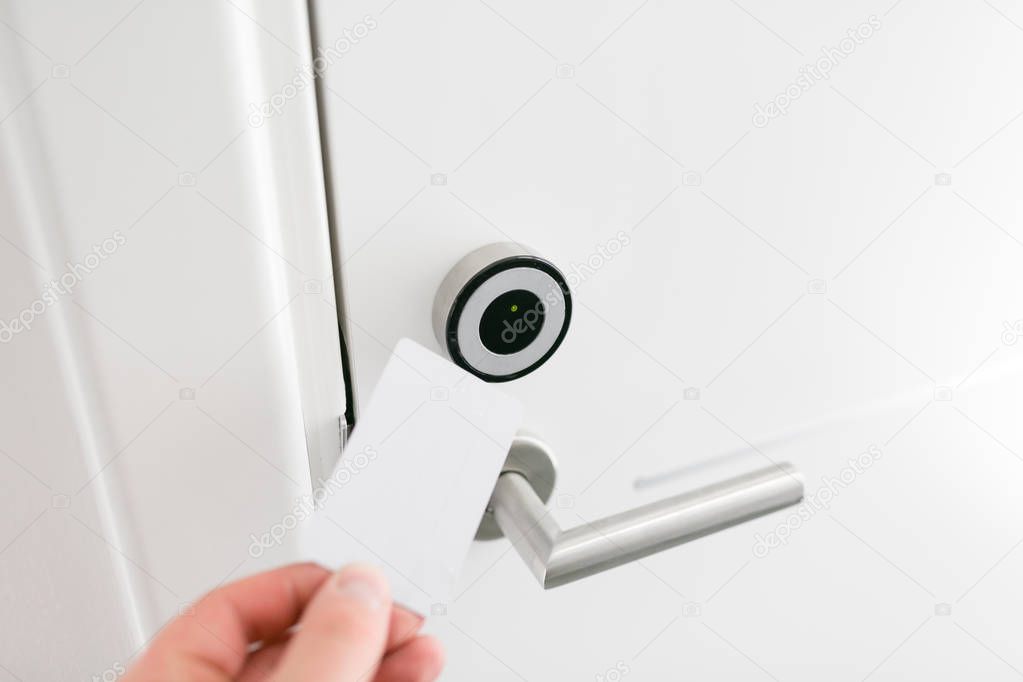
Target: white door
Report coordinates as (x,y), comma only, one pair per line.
(172,397)
(793,232)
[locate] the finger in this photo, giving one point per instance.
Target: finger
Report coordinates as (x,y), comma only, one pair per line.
(212,643)
(343,632)
(262,664)
(420,660)
(404,626)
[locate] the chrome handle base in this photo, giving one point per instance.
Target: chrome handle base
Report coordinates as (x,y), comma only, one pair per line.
(556,556)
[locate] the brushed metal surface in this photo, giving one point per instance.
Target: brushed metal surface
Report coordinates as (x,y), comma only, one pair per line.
(557,556)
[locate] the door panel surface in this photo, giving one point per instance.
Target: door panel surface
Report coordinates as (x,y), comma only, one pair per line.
(174,398)
(792,233)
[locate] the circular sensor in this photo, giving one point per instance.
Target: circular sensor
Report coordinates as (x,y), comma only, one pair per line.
(502,312)
(512,322)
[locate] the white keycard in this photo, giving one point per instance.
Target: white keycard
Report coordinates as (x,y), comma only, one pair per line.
(415,477)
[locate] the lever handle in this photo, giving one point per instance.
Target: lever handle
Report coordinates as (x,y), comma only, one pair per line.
(557,556)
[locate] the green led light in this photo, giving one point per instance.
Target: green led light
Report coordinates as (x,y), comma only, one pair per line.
(515,309)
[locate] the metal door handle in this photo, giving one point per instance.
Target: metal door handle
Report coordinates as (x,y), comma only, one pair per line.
(518,510)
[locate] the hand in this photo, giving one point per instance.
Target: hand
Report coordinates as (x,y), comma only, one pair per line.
(348,631)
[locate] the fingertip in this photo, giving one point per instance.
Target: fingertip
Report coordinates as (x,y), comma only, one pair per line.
(312,566)
(343,633)
(363,584)
(404,626)
(433,654)
(421,659)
